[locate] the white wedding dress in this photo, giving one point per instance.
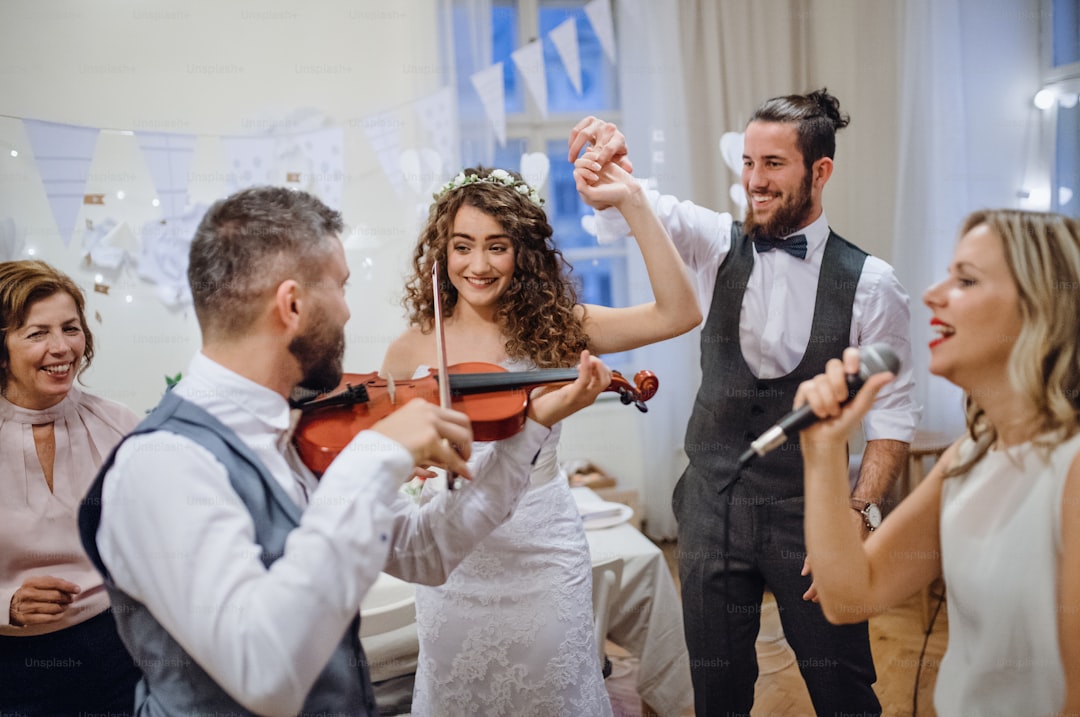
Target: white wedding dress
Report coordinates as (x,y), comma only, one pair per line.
(511,631)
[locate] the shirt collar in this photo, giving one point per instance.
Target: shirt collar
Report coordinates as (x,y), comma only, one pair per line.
(208,382)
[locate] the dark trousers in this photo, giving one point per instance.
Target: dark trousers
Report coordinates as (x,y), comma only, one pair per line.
(722,603)
(80,670)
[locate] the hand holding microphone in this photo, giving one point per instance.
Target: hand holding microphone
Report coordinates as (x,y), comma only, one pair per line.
(827,393)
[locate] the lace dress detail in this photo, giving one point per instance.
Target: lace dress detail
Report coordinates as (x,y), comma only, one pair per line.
(511,630)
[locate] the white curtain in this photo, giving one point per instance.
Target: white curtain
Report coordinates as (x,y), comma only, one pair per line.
(969,69)
(467,26)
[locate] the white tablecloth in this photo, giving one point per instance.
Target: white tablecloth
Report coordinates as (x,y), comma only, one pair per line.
(646,618)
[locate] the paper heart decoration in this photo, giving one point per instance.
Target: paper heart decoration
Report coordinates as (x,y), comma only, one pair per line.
(738,195)
(534,169)
(731,149)
(421,168)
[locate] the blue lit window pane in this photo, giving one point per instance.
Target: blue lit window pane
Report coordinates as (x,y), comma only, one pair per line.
(1066,18)
(504,26)
(509,157)
(594,266)
(597,76)
(1067,199)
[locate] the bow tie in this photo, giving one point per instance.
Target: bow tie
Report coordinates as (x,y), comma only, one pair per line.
(794,245)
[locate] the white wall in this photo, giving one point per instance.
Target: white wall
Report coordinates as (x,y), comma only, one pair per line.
(210,68)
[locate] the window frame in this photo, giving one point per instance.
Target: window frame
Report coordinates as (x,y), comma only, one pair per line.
(1062,80)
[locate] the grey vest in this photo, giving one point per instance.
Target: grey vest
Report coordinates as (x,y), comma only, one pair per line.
(173,683)
(733,407)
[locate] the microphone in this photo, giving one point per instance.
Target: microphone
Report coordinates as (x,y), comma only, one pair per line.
(873,358)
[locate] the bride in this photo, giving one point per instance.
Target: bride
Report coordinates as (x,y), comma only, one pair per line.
(510,632)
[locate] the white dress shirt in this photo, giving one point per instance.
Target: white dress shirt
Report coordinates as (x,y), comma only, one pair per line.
(778,306)
(176,537)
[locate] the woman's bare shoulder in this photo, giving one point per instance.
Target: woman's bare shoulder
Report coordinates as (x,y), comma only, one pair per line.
(405,353)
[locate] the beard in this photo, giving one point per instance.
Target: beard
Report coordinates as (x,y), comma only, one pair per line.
(789,217)
(320,351)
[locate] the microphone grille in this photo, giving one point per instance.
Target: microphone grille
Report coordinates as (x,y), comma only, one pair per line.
(876,358)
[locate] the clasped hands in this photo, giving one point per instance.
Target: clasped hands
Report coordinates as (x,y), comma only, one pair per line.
(41,599)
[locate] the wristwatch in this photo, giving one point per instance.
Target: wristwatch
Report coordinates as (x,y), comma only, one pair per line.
(870,512)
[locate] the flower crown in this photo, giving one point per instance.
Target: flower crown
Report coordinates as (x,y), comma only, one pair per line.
(499,177)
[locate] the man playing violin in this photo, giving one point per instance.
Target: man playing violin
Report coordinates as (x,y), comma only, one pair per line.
(236,576)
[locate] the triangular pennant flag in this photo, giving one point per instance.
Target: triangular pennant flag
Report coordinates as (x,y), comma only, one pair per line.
(383,133)
(565,38)
(63,154)
(249,161)
(169,157)
(599,14)
(489,85)
(437,114)
(530,62)
(314,162)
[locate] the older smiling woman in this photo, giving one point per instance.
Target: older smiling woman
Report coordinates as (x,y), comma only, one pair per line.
(59,650)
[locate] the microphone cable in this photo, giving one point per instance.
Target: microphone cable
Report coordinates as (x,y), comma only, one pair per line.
(922,653)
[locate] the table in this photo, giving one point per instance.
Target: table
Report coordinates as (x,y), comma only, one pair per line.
(646,619)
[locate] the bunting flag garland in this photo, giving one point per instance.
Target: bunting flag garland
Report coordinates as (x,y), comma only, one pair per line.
(530,62)
(383,132)
(189,170)
(249,161)
(63,154)
(488,83)
(314,162)
(564,36)
(436,114)
(599,14)
(169,158)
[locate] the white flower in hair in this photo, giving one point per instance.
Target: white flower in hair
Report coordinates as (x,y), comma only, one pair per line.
(498,177)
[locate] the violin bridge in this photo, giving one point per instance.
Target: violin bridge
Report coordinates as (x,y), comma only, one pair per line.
(390,391)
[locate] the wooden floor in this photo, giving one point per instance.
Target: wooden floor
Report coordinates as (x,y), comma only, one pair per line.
(896,640)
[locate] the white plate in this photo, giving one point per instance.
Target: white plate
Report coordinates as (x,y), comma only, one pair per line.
(610,514)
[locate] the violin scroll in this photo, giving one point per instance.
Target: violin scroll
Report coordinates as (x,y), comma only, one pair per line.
(644,387)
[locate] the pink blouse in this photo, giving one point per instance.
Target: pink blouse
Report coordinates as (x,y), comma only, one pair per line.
(39,528)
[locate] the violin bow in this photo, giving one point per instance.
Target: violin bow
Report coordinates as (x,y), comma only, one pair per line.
(440,356)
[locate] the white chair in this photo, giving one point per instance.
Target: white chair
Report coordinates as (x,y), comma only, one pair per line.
(606,580)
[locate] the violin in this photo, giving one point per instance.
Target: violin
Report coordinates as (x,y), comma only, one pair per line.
(495,400)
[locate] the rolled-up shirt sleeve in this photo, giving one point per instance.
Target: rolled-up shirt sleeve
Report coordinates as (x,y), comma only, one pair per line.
(883,315)
(430,540)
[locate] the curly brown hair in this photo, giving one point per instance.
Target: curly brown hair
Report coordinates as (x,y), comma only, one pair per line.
(537,311)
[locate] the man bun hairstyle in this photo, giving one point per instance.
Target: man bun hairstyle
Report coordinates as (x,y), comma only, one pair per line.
(816,116)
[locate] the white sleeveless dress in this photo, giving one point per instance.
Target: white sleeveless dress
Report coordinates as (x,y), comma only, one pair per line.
(1001,548)
(511,631)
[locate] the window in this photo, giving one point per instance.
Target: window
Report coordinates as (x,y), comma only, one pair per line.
(1062,78)
(600,272)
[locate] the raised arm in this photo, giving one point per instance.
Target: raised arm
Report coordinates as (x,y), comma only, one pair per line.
(675,309)
(856,579)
